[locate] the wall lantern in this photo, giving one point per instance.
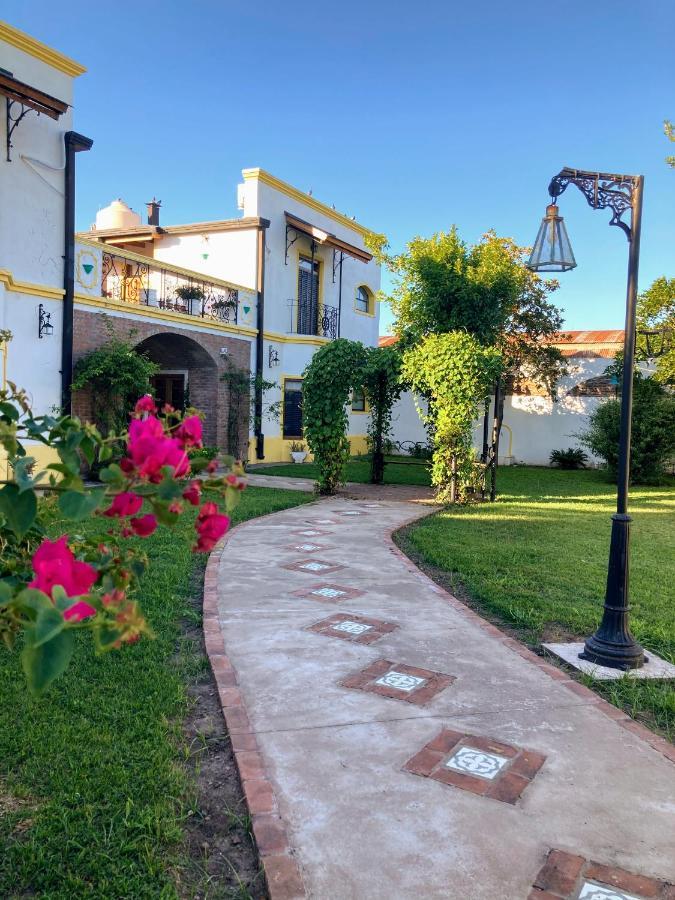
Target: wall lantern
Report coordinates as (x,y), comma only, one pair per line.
(44,322)
(272,356)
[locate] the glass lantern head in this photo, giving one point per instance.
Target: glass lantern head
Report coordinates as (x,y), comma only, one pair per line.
(552,251)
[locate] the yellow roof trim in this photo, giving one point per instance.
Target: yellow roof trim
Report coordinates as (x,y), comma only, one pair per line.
(290,191)
(45,54)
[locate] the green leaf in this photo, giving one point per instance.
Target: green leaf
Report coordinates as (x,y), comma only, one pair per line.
(44,662)
(19,508)
(169,489)
(77,505)
(48,624)
(32,601)
(105,638)
(9,411)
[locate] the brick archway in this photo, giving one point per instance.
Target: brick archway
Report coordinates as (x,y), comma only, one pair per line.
(202,355)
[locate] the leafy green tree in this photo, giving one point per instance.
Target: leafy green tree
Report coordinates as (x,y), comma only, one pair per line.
(656,328)
(669,130)
(455,372)
(652,435)
(382,386)
(327,382)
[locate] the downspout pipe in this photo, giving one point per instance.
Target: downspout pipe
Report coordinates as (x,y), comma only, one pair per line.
(74,143)
(259,342)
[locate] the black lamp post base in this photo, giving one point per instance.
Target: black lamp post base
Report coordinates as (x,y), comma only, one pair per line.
(613,656)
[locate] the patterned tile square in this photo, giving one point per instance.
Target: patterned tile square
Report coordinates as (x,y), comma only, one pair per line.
(350,512)
(400,681)
(328,593)
(590,891)
(397,681)
(477,764)
(563,872)
(313,566)
(323,521)
(310,532)
(307,547)
(357,629)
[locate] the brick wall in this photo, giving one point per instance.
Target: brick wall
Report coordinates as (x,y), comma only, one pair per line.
(197,352)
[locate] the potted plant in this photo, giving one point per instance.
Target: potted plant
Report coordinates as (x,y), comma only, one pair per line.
(188,293)
(298,451)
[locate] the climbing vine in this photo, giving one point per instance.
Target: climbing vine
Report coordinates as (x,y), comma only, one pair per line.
(332,373)
(382,386)
(241,388)
(455,372)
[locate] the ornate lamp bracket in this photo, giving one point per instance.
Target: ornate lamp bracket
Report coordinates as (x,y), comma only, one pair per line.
(602,191)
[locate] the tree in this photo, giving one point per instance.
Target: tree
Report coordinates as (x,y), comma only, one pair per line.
(652,432)
(329,378)
(656,328)
(381,383)
(669,130)
(443,285)
(455,372)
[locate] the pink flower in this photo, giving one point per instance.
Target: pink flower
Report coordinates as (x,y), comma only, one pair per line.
(54,564)
(233,481)
(150,450)
(145,405)
(210,526)
(193,493)
(124,504)
(189,432)
(144,525)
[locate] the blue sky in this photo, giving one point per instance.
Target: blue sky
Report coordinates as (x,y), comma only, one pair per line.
(411,116)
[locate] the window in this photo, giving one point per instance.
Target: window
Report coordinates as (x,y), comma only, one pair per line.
(292,408)
(308,296)
(358,400)
(362,302)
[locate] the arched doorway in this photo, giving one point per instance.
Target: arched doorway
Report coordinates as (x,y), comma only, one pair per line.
(188,376)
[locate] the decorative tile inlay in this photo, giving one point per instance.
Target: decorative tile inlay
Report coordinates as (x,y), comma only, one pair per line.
(328,593)
(591,891)
(399,682)
(477,764)
(307,547)
(569,877)
(323,521)
(313,566)
(352,627)
(311,532)
(351,512)
(358,629)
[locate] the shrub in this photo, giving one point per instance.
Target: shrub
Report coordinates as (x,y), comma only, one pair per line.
(572,458)
(421,451)
(653,432)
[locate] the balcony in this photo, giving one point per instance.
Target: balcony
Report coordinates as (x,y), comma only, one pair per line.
(134,279)
(311,318)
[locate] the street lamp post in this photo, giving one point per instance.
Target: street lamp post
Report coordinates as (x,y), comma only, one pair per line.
(612,644)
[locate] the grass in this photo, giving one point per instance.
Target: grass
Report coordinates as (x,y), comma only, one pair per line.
(399,470)
(537,561)
(93,787)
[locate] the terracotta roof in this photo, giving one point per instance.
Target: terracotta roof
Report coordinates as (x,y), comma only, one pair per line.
(571,343)
(591,337)
(386,340)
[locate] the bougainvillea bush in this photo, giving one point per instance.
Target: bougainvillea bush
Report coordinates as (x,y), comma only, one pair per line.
(49,589)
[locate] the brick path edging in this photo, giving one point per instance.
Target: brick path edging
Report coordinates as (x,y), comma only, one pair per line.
(282,873)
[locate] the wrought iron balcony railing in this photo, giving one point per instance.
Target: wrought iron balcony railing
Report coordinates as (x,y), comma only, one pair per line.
(128,279)
(313,319)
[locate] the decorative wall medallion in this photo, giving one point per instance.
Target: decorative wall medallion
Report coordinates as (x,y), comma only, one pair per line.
(86,269)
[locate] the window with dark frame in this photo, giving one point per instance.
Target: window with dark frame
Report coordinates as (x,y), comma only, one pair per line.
(308,296)
(292,425)
(358,400)
(363,300)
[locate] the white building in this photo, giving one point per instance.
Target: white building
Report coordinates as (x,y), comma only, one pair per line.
(36,162)
(284,278)
(534,424)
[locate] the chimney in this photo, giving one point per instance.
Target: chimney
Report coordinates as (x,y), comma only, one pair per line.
(153,211)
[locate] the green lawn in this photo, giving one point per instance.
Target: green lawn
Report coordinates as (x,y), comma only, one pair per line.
(537,560)
(93,795)
(399,470)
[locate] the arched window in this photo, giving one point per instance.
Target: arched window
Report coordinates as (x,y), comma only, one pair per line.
(362,302)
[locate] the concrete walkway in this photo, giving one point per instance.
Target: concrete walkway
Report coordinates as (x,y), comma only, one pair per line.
(452,766)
